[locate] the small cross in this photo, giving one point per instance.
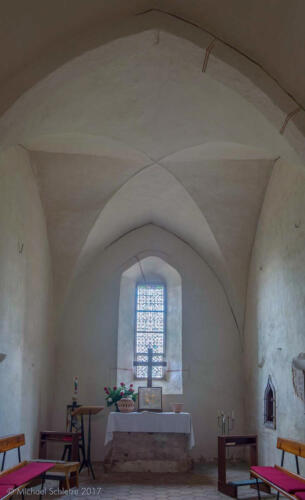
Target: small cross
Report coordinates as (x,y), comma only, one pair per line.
(149,363)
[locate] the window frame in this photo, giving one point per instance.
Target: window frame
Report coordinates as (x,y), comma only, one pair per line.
(152,284)
(270,422)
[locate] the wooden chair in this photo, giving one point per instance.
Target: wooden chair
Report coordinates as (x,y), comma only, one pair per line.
(76,425)
(73,438)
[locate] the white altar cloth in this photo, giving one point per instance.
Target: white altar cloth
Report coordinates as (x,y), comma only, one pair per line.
(150,422)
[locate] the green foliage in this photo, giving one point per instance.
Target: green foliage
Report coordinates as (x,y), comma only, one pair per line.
(113,395)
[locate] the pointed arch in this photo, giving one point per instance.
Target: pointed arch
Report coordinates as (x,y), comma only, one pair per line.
(146,270)
(270,404)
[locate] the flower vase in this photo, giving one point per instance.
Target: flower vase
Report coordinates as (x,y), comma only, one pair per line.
(126,405)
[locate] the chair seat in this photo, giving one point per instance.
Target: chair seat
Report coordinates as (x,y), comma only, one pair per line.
(5,489)
(280,479)
(25,473)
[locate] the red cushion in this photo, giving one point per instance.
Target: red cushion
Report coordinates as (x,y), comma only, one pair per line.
(25,473)
(300,495)
(69,438)
(280,479)
(4,490)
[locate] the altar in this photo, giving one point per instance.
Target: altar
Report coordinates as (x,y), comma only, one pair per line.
(149,442)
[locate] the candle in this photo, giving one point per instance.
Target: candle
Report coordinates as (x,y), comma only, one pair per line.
(75,382)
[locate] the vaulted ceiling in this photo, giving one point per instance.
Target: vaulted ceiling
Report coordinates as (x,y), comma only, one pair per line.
(36,37)
(128,129)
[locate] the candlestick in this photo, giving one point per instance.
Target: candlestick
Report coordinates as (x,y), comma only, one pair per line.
(225,422)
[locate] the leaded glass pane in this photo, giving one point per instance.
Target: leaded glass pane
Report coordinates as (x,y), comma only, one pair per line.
(150,327)
(150,298)
(150,321)
(141,371)
(153,340)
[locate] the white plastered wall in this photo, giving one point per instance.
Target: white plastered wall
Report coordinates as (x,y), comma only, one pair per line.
(210,341)
(25,303)
(56,107)
(275,318)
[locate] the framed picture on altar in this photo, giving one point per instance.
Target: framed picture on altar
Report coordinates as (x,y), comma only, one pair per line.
(149,398)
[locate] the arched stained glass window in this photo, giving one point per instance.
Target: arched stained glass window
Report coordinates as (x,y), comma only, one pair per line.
(150,326)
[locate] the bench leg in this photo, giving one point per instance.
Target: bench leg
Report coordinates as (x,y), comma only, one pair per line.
(297,464)
(3,461)
(278,495)
(258,490)
(42,485)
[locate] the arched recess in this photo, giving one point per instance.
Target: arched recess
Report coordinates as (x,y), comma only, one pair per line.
(154,196)
(270,405)
(147,270)
(88,328)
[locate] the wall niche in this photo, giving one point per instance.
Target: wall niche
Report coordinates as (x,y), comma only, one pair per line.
(270,405)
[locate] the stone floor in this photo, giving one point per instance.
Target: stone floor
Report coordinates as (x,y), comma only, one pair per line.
(198,484)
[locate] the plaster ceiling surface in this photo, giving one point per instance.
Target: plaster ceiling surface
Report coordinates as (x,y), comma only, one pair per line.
(271,33)
(151,96)
(220,188)
(133,133)
(213,205)
(74,189)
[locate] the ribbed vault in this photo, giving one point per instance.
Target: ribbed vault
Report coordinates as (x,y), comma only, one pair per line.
(135,133)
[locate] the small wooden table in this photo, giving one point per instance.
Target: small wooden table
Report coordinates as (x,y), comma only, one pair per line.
(68,469)
(224,442)
(88,410)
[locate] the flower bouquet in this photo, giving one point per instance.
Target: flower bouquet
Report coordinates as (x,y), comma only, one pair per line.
(113,395)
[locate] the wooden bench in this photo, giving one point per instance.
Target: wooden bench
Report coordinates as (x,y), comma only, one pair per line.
(286,483)
(27,473)
(11,442)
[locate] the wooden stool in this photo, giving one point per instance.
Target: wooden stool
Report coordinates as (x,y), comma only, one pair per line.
(68,469)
